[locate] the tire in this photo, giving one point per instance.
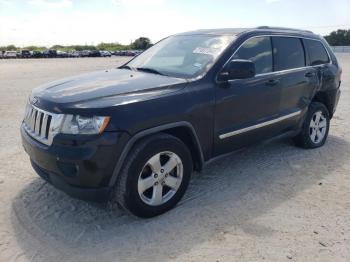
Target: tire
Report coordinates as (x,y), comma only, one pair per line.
(315,128)
(142,187)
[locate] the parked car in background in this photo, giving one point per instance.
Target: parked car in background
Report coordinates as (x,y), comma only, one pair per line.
(25,54)
(10,54)
(94,53)
(37,54)
(104,53)
(74,54)
(84,53)
(51,53)
(61,54)
(121,53)
(138,52)
(129,53)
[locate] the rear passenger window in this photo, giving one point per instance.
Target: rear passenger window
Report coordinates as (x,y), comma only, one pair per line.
(288,53)
(317,53)
(259,51)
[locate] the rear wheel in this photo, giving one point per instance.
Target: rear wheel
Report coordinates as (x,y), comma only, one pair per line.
(155,176)
(315,127)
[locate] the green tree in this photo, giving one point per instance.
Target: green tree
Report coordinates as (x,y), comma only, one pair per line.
(141,43)
(9,48)
(34,48)
(110,46)
(82,47)
(341,37)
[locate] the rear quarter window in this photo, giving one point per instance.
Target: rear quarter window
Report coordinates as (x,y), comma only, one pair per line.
(288,53)
(317,52)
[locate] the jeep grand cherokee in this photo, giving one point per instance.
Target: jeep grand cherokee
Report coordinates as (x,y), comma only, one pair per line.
(134,134)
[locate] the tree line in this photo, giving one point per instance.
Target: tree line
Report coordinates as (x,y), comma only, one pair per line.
(141,43)
(340,37)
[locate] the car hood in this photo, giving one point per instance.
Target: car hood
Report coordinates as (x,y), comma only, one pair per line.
(105,88)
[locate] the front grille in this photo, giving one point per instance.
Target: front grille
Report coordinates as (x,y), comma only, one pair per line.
(38,123)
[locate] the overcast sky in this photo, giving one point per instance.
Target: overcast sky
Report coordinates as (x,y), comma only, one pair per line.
(49,22)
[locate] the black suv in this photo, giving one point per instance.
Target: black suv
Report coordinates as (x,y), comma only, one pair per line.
(51,53)
(134,134)
(26,54)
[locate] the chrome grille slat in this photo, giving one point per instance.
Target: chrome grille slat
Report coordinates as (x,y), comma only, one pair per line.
(41,125)
(37,123)
(32,120)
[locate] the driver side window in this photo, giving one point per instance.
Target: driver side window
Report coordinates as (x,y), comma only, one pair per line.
(259,51)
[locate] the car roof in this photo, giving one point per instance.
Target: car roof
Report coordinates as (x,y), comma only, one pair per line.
(218,31)
(260,29)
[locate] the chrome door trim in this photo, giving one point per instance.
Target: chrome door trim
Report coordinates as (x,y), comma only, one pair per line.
(263,124)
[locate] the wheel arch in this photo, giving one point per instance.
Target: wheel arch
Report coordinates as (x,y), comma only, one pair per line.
(182,130)
(323,97)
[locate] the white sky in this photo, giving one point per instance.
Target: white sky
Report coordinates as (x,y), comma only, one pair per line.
(49,22)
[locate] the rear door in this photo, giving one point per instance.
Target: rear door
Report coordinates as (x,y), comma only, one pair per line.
(297,81)
(318,58)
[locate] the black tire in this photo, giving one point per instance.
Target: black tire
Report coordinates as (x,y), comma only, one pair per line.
(304,138)
(126,192)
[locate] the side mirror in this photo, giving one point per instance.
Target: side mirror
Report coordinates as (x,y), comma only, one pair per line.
(238,69)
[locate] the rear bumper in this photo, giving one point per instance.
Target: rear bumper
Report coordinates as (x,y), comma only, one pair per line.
(81,166)
(332,100)
(336,100)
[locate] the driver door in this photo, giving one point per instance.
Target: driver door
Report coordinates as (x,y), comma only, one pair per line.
(244,107)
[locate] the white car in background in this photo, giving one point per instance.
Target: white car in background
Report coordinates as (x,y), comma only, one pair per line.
(105,53)
(10,54)
(74,54)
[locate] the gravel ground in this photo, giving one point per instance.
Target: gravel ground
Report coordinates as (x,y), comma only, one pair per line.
(271,202)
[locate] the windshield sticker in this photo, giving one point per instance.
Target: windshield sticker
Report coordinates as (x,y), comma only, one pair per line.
(206,51)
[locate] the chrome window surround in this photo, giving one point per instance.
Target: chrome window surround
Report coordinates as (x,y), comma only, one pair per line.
(41,125)
(281,71)
(263,124)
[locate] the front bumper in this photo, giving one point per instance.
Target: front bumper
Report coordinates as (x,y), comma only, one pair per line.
(81,166)
(88,194)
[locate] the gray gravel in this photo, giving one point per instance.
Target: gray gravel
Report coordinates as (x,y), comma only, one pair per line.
(271,202)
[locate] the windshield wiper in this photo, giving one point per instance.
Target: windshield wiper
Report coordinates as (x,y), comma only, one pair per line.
(126,67)
(150,70)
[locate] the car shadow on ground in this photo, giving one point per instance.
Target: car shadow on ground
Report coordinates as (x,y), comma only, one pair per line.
(231,192)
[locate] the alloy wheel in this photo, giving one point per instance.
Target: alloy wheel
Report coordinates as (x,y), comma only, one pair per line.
(318,127)
(160,178)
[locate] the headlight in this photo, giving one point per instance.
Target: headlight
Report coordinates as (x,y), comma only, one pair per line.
(75,124)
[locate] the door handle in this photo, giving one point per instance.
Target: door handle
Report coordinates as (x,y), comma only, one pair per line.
(309,74)
(272,82)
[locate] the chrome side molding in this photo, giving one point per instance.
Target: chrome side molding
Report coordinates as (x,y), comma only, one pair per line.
(249,128)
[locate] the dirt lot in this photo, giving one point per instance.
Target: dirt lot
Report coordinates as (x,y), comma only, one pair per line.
(271,202)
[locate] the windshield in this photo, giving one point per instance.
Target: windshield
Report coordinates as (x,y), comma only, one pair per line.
(185,56)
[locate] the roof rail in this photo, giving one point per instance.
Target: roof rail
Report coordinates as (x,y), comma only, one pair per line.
(283,28)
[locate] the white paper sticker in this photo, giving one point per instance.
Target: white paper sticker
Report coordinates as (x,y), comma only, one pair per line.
(206,51)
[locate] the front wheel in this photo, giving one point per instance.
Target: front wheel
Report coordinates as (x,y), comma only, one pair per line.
(155,176)
(315,127)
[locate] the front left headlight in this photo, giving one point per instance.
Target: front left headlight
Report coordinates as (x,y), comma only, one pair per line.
(75,124)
